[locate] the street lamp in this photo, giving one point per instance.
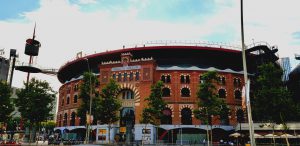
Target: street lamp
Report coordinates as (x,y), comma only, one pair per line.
(90,110)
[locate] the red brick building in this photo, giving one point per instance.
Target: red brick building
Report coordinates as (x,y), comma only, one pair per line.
(136,69)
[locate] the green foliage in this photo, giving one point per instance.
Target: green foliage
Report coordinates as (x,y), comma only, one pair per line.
(88,85)
(209,103)
(153,113)
(109,105)
(35,101)
(6,104)
(272,99)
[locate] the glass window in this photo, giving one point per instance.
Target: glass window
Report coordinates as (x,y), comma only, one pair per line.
(187,79)
(137,76)
(237,94)
(68,100)
(166,92)
(119,77)
(185,92)
(72,122)
(75,98)
(114,76)
(222,93)
(125,77)
(168,79)
(163,78)
(131,76)
(201,80)
(182,79)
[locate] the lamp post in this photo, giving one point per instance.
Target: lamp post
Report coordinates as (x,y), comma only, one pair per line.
(90,109)
(247,82)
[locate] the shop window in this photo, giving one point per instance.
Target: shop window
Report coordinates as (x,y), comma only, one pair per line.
(185,92)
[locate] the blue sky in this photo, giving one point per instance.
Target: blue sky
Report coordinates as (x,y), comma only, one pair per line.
(65,27)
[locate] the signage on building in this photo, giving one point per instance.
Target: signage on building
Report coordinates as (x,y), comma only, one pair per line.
(126,68)
(102,131)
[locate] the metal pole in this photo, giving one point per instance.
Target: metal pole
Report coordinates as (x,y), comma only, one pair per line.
(251,131)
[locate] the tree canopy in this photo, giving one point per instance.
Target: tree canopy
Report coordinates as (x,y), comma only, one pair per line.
(153,112)
(209,102)
(35,101)
(6,104)
(88,85)
(109,104)
(272,99)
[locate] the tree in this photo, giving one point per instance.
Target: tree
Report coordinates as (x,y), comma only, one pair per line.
(109,105)
(88,85)
(35,101)
(209,102)
(153,113)
(272,102)
(6,103)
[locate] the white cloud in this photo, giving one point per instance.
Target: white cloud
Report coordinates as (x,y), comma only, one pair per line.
(87,1)
(64,30)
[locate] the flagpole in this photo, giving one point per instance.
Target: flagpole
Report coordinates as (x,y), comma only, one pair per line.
(250,122)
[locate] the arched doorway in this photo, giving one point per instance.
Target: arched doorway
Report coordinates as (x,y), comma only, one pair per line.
(167,117)
(127,113)
(72,122)
(186,116)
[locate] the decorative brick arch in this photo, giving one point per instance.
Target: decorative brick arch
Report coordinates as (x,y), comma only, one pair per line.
(137,97)
(171,107)
(182,106)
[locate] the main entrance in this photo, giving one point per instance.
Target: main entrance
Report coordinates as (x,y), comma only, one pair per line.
(127,114)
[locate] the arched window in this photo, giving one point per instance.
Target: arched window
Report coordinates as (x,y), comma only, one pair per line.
(222,80)
(119,77)
(222,93)
(65,119)
(186,116)
(237,82)
(125,77)
(167,117)
(182,79)
(187,79)
(60,120)
(76,87)
(137,76)
(114,76)
(168,79)
(185,92)
(237,94)
(131,76)
(166,92)
(72,122)
(68,100)
(201,80)
(127,94)
(163,78)
(75,98)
